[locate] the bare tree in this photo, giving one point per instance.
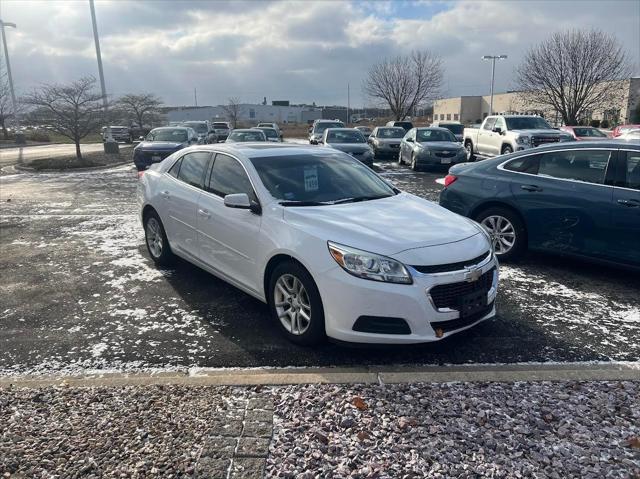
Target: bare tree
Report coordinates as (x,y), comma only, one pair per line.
(6,107)
(573,72)
(74,110)
(405,82)
(233,110)
(144,107)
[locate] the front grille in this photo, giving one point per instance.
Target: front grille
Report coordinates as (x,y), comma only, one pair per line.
(442,268)
(454,324)
(445,154)
(448,295)
(161,154)
(394,146)
(381,325)
(543,140)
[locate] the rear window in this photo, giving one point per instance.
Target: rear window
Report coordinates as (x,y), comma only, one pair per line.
(589,132)
(221,126)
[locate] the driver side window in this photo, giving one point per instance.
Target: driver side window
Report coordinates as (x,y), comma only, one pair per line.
(500,124)
(229,177)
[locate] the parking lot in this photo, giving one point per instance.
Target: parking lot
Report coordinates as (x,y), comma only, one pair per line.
(79,292)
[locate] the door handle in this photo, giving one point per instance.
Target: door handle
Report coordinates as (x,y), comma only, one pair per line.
(204,213)
(629,203)
(530,187)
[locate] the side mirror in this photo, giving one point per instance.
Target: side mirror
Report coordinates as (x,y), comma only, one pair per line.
(409,140)
(497,129)
(237,200)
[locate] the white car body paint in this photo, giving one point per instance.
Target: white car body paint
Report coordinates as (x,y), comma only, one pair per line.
(237,244)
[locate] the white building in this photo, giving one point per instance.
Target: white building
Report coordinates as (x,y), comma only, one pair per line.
(248,114)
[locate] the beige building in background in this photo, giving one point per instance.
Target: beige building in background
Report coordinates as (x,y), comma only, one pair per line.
(473,109)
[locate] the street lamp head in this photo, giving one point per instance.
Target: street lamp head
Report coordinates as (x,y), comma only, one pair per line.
(494,57)
(502,57)
(7,24)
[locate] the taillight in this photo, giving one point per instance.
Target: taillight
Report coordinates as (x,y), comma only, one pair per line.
(449,179)
(140,174)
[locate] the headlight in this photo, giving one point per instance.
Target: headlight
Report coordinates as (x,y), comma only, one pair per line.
(523,140)
(369,265)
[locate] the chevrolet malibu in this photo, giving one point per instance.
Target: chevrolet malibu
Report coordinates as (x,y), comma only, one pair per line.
(327,244)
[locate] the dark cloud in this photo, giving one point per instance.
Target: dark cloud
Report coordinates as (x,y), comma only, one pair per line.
(301,51)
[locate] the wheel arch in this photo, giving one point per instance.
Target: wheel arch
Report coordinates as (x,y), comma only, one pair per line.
(505,144)
(271,265)
(147,210)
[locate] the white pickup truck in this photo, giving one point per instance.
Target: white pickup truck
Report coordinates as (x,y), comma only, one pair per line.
(503,134)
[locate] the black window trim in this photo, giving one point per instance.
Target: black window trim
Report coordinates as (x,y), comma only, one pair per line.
(608,181)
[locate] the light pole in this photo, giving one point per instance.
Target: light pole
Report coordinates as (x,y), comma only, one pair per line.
(14,105)
(110,146)
(493,59)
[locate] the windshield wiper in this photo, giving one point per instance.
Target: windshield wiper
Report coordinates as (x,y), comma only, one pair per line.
(304,203)
(356,199)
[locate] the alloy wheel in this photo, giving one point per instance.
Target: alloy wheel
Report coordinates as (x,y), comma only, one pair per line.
(292,304)
(467,147)
(154,237)
(501,231)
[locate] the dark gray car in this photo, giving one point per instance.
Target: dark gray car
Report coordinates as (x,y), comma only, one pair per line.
(431,147)
(350,141)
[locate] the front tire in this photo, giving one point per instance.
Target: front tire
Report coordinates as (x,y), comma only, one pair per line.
(468,146)
(507,232)
(506,150)
(156,240)
(295,304)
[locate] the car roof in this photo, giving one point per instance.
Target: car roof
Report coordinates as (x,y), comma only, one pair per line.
(260,149)
(244,130)
(340,129)
(580,145)
(436,128)
(172,128)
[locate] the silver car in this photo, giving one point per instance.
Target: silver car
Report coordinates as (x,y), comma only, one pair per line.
(350,141)
(385,141)
(431,147)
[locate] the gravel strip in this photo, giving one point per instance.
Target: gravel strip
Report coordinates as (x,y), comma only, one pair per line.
(556,430)
(155,431)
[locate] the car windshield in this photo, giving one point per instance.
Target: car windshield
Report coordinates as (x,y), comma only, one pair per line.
(434,135)
(391,132)
(454,128)
(320,127)
(345,136)
(527,123)
(255,135)
(221,126)
(178,135)
(319,178)
(591,132)
(269,132)
(199,127)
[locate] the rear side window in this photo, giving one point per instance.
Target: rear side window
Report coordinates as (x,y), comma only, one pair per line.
(228,177)
(632,171)
(175,169)
(525,164)
(579,165)
(193,167)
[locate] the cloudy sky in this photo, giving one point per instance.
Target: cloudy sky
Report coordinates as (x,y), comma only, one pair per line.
(293,50)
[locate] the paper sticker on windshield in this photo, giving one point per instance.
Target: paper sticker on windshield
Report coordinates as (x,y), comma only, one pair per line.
(311,178)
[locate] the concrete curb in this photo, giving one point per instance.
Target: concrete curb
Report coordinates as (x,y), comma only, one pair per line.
(26,169)
(364,375)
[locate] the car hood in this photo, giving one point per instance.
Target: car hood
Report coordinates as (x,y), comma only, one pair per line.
(537,132)
(386,226)
(441,145)
(158,145)
(350,147)
(389,141)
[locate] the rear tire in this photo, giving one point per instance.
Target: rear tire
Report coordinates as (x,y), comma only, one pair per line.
(156,240)
(469,147)
(295,304)
(507,232)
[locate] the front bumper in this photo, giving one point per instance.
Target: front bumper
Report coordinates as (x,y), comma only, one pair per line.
(387,149)
(432,159)
(347,298)
(143,159)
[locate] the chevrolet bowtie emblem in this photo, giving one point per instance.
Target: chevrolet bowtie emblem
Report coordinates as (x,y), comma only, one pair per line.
(472,274)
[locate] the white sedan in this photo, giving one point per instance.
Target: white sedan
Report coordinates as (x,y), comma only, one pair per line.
(331,247)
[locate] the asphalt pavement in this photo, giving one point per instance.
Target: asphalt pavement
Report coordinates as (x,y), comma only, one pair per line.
(78,291)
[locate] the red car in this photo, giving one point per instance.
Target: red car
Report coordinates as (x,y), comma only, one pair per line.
(619,130)
(584,132)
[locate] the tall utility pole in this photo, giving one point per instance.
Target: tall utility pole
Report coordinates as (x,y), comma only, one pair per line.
(195,96)
(493,59)
(110,145)
(14,104)
(348,104)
